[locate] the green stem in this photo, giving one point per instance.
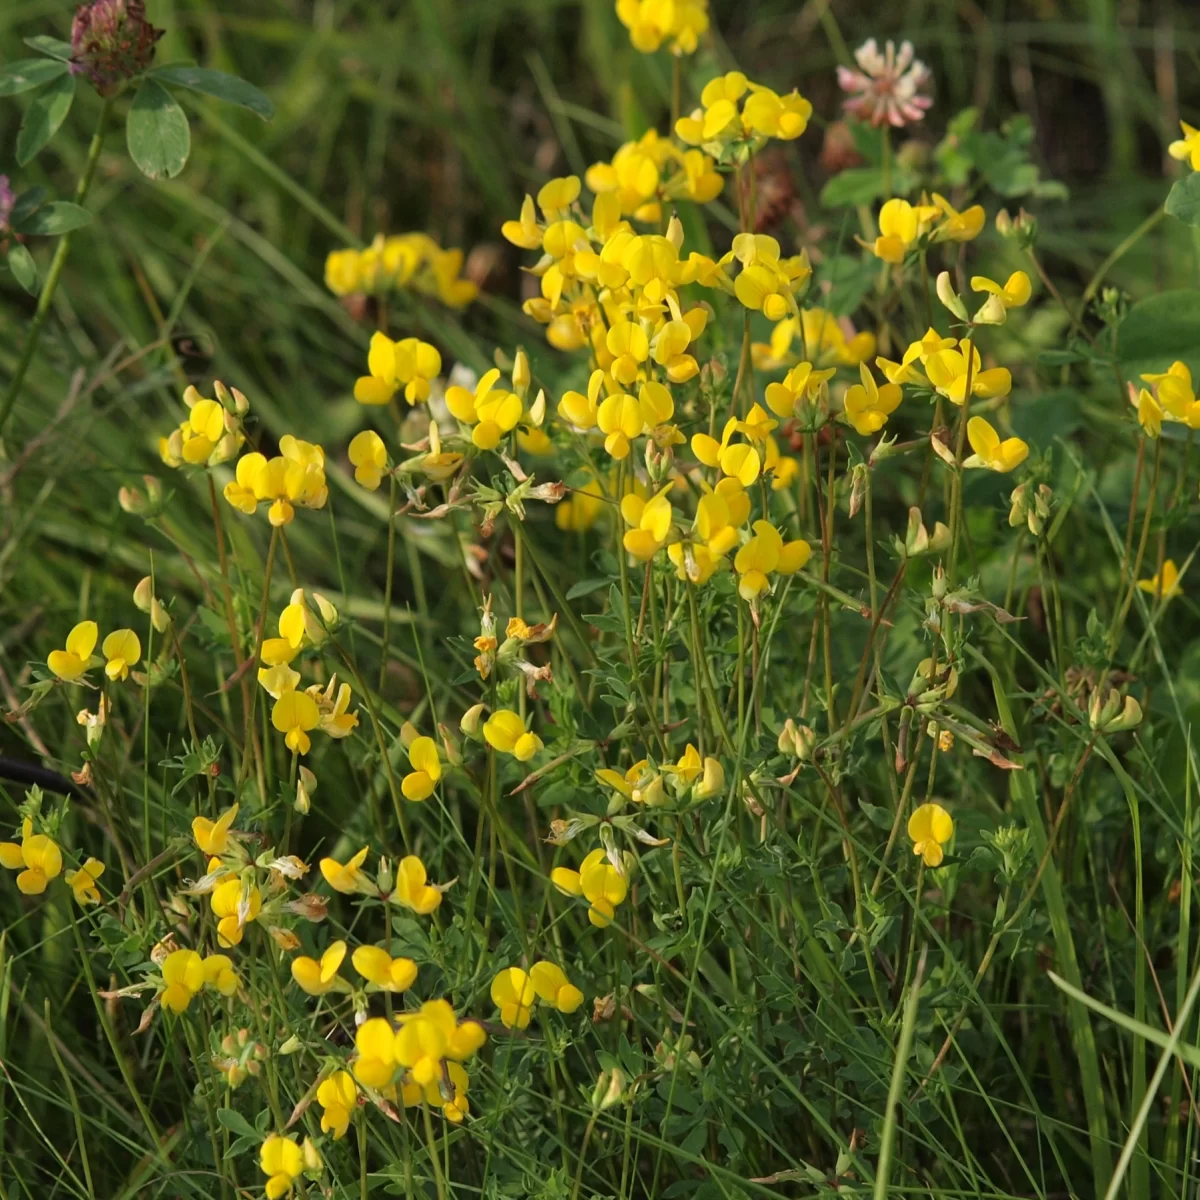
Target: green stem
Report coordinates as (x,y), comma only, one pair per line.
(57,264)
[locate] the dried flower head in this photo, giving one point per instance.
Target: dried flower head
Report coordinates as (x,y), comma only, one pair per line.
(111,42)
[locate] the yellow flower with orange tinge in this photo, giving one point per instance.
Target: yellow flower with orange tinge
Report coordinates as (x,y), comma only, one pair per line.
(930,828)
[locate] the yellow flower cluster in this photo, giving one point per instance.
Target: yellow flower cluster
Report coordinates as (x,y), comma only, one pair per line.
(411,261)
(515,992)
(411,1062)
(651,23)
(210,434)
(297,713)
(295,477)
(185,973)
(598,881)
(764,114)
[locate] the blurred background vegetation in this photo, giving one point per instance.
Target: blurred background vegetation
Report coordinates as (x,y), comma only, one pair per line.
(427,115)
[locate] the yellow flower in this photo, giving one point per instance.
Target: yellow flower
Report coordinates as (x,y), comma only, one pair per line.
(650,522)
(212,837)
(426,770)
(220,975)
(1014,293)
(71,663)
(868,405)
(990,451)
(295,714)
(430,1036)
(183,977)
(630,347)
(348,878)
(375,1042)
(317,978)
(456,1106)
(417,365)
(900,225)
(603,886)
(333,709)
(505,731)
(623,784)
(553,987)
(37,857)
(947,371)
(1176,394)
(381,384)
(378,967)
(957,226)
(83,881)
(234,903)
(930,827)
(770,115)
(579,410)
(764,554)
(282,1161)
(122,650)
(296,476)
(1162,585)
(412,889)
(368,457)
(718,114)
(1149,413)
(338,1097)
(343,272)
(493,412)
(680,23)
(525,231)
(801,382)
(1188,147)
(513,995)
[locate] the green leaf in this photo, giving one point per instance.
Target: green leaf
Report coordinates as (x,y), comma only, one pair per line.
(236,1123)
(28,73)
(43,118)
(157,132)
(28,202)
(61,216)
(585,587)
(856,185)
(1158,331)
(219,85)
(54,47)
(24,269)
(1184,199)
